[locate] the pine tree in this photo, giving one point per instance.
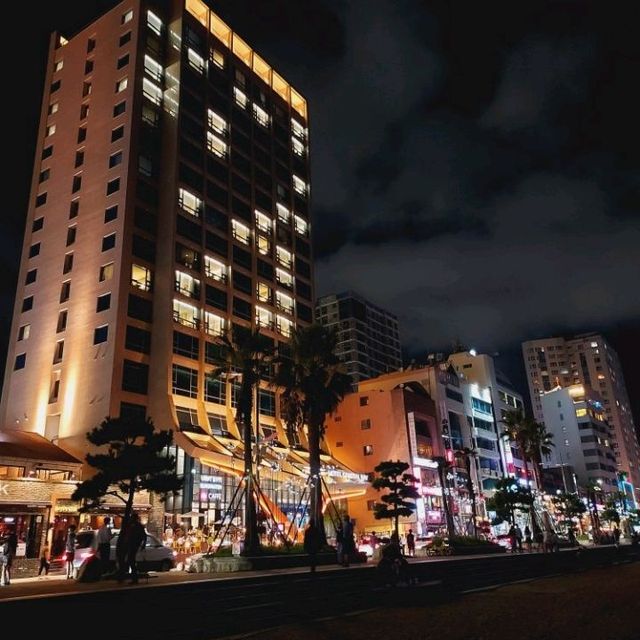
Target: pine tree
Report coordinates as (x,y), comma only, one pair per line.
(401,486)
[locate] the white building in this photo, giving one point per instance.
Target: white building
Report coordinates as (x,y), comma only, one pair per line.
(583,439)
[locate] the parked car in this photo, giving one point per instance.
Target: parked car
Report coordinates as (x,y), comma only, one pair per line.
(155,556)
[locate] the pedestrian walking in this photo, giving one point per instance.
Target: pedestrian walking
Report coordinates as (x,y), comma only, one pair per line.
(312,543)
(573,541)
(70,550)
(136,541)
(411,543)
(547,541)
(518,531)
(103,541)
(539,540)
(45,560)
(528,540)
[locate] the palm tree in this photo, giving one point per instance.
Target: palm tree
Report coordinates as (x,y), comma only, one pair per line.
(538,443)
(513,422)
(313,384)
(466,454)
(247,353)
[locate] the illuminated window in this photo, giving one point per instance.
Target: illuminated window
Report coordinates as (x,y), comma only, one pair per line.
(581,412)
(367,449)
(187,285)
(284,214)
(127,17)
(284,257)
(58,65)
(217,57)
(263,222)
(284,302)
(24,332)
(51,129)
(300,186)
(121,85)
(240,97)
(151,91)
(284,278)
(220,30)
(261,116)
(154,23)
(216,145)
(240,232)
(264,318)
(195,60)
(106,272)
(301,226)
(53,108)
(189,202)
(214,325)
(298,147)
(152,68)
(140,277)
(186,314)
(264,245)
(263,292)
(215,269)
(298,130)
(242,49)
(199,10)
(284,326)
(58,352)
(217,122)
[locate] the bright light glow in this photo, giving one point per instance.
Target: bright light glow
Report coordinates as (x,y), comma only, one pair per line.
(301,226)
(215,269)
(195,60)
(284,257)
(155,24)
(240,97)
(263,222)
(214,325)
(261,116)
(264,317)
(473,352)
(284,325)
(283,213)
(189,202)
(300,186)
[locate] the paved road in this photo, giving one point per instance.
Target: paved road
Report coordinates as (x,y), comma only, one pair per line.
(193,607)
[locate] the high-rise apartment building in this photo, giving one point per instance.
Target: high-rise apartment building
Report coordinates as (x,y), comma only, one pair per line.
(368,338)
(170,201)
(590,360)
(581,435)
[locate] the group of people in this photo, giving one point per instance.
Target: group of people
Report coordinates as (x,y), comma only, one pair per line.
(8,548)
(542,540)
(132,538)
(345,542)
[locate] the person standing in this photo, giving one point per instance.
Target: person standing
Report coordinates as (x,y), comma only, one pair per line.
(411,543)
(519,537)
(136,541)
(312,543)
(616,535)
(70,550)
(348,542)
(45,560)
(513,539)
(6,560)
(103,540)
(528,540)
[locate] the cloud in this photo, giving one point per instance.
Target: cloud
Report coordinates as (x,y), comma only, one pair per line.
(554,257)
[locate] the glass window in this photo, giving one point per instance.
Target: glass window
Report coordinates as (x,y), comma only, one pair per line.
(127,17)
(106,272)
(215,269)
(103,303)
(121,85)
(141,277)
(214,324)
(185,381)
(195,60)
(24,332)
(240,232)
(20,361)
(151,91)
(217,122)
(186,314)
(189,202)
(154,23)
(152,68)
(216,145)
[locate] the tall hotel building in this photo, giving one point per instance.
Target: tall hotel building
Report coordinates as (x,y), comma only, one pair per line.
(170,200)
(589,360)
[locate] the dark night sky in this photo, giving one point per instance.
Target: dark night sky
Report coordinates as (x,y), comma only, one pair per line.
(475,164)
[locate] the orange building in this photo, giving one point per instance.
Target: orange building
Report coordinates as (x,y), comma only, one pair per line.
(398,423)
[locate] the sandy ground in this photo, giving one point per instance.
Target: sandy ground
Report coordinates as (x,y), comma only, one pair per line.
(602,604)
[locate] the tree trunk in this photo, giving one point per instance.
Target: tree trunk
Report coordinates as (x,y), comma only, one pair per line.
(315,489)
(472,495)
(445,502)
(251,540)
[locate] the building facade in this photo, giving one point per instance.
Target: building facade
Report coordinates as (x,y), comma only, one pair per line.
(480,369)
(368,340)
(583,438)
(170,203)
(421,415)
(589,360)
